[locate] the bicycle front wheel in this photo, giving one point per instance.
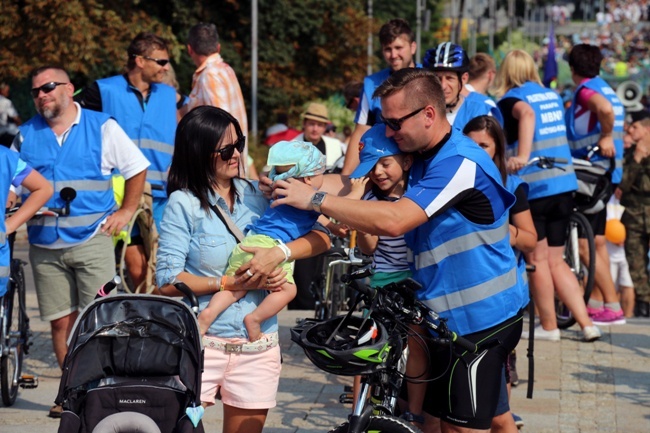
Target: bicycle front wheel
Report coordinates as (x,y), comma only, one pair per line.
(14,324)
(382,423)
(582,267)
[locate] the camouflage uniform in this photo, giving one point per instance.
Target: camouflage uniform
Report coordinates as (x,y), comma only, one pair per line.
(635,186)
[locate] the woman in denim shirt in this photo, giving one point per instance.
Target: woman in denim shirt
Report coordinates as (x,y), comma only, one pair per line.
(194,248)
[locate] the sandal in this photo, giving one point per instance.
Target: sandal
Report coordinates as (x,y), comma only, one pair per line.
(412,418)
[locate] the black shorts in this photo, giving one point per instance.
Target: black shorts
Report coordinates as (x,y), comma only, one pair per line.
(468,391)
(598,222)
(551,217)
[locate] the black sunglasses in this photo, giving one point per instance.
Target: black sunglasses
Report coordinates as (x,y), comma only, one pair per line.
(160,62)
(45,88)
(228,151)
(396,124)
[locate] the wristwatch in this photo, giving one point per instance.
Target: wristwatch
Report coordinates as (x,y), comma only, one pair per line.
(317,200)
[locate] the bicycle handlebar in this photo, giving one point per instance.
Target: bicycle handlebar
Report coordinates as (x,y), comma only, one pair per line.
(546,162)
(67,194)
(397,300)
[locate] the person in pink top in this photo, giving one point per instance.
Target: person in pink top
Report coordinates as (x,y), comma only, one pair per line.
(214,82)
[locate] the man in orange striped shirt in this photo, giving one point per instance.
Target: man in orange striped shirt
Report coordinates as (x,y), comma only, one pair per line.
(214,81)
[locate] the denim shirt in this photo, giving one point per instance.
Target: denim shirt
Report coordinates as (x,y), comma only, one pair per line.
(197,242)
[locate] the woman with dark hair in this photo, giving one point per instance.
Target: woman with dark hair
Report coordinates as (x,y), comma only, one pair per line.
(487,133)
(195,244)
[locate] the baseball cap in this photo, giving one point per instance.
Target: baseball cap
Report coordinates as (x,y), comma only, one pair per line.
(373,146)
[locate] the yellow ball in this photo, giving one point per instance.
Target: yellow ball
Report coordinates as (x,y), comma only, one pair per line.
(615,231)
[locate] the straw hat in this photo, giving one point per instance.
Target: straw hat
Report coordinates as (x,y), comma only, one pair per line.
(317,112)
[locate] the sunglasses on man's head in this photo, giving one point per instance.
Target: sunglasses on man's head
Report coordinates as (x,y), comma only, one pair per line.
(396,124)
(45,88)
(228,151)
(160,62)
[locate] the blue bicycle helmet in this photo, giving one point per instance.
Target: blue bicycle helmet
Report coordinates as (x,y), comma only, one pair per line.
(446,57)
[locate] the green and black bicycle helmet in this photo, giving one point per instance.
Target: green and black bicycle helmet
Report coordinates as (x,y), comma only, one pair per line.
(357,346)
(446,57)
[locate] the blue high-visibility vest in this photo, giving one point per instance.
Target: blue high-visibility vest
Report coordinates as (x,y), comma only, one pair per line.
(75,164)
(549,139)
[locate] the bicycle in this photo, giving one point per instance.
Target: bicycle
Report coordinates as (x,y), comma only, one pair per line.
(594,190)
(373,347)
(578,228)
(329,292)
(15,332)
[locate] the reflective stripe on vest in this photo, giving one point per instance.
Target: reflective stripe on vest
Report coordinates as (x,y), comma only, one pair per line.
(66,222)
(474,294)
(460,245)
(546,174)
(592,140)
(5,271)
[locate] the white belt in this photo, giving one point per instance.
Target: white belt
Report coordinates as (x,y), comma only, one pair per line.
(265,343)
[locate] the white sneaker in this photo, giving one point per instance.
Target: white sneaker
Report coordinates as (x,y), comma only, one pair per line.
(543,334)
(591,333)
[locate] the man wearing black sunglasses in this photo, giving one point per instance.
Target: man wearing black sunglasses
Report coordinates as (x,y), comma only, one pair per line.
(72,256)
(147,110)
(454,218)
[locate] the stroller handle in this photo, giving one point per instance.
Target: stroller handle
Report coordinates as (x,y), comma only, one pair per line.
(108,287)
(186,291)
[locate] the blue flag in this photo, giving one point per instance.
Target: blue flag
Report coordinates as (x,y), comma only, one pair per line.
(550,67)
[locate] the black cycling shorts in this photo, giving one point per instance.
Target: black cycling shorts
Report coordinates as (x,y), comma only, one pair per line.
(598,222)
(551,217)
(468,391)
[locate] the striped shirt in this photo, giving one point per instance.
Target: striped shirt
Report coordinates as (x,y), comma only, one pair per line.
(390,254)
(215,83)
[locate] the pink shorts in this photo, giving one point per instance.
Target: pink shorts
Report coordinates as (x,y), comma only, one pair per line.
(246,380)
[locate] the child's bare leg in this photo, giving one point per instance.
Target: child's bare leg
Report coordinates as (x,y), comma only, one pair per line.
(416,368)
(627,300)
(270,306)
(218,304)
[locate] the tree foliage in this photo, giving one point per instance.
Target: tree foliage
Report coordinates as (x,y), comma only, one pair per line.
(308,49)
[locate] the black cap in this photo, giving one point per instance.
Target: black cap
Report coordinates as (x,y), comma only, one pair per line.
(636,116)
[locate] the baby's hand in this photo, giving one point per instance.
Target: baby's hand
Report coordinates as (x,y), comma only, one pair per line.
(265,185)
(358,187)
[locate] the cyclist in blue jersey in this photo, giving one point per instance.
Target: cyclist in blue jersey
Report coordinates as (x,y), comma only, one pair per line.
(15,172)
(534,126)
(398,47)
(451,65)
(487,133)
(596,117)
(146,109)
(454,217)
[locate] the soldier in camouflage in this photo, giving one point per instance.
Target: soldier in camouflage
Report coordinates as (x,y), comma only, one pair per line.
(635,188)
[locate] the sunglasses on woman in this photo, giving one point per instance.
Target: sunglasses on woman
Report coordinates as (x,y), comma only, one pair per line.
(228,151)
(45,88)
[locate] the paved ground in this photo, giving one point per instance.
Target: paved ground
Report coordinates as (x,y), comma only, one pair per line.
(579,387)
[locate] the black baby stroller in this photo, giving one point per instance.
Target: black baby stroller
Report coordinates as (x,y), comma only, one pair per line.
(134,363)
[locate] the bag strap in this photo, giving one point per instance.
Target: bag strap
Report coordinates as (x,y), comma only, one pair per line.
(228,222)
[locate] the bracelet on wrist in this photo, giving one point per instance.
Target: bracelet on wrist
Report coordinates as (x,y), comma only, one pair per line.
(285,249)
(212,283)
(222,285)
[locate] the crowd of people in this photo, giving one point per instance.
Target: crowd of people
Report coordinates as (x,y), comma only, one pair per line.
(442,168)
